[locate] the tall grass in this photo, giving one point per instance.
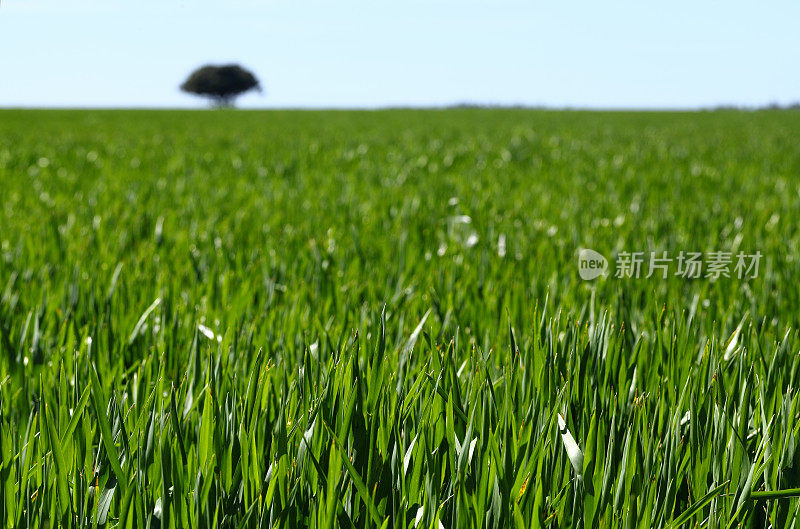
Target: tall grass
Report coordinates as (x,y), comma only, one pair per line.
(324,319)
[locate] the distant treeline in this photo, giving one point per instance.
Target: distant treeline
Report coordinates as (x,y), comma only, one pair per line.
(770,106)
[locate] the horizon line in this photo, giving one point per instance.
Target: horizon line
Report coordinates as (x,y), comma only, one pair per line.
(453,106)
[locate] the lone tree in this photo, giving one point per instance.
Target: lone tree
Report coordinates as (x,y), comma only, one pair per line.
(222,84)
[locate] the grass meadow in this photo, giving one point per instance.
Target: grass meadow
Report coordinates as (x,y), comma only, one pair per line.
(323,319)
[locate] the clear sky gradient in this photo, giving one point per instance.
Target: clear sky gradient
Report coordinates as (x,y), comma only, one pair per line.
(362,53)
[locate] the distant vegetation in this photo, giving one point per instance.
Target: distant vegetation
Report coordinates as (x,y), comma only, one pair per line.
(375,319)
(221,84)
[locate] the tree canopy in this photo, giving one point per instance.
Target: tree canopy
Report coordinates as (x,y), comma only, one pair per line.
(222,84)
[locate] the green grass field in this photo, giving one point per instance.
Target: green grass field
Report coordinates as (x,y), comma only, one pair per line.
(375,319)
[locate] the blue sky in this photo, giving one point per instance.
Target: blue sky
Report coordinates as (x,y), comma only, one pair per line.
(376,53)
